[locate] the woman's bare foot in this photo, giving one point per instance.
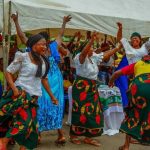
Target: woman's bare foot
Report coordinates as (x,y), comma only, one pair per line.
(91,142)
(75,140)
(60,141)
(123,148)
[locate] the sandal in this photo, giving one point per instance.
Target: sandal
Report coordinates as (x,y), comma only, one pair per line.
(60,141)
(75,140)
(133,141)
(92,142)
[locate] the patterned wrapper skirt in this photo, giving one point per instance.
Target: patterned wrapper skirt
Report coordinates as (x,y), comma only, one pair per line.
(87,117)
(18,118)
(137,120)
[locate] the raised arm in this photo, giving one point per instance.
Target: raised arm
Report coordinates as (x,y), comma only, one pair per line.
(77,42)
(20,33)
(109,53)
(119,33)
(87,48)
(61,33)
(71,44)
(63,51)
(72,40)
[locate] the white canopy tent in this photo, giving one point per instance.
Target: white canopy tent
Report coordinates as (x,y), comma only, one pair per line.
(100,15)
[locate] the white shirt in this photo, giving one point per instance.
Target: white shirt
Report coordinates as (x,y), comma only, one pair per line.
(133,55)
(89,69)
(27,70)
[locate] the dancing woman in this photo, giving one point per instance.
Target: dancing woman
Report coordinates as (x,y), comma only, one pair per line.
(87,118)
(18,105)
(50,116)
(137,121)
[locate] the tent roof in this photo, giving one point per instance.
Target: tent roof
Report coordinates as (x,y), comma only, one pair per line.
(131,9)
(97,15)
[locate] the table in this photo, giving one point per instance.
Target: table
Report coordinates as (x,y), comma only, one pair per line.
(112,108)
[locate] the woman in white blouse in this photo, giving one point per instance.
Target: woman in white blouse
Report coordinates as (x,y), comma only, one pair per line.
(133,50)
(87,118)
(18,105)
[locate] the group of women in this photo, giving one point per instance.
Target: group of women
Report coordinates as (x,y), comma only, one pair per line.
(136,124)
(38,65)
(26,109)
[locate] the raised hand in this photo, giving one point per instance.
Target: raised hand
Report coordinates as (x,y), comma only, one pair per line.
(67,18)
(76,34)
(119,24)
(79,34)
(60,35)
(94,35)
(15,16)
(97,37)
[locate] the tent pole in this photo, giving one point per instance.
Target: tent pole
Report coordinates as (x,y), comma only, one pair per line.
(9,32)
(4,45)
(6,42)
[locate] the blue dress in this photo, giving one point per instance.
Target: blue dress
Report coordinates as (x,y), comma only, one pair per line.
(50,116)
(122,82)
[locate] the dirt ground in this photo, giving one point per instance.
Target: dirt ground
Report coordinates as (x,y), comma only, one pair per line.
(108,142)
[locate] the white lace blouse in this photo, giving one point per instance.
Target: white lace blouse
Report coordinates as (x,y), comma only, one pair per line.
(89,69)
(27,70)
(133,55)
